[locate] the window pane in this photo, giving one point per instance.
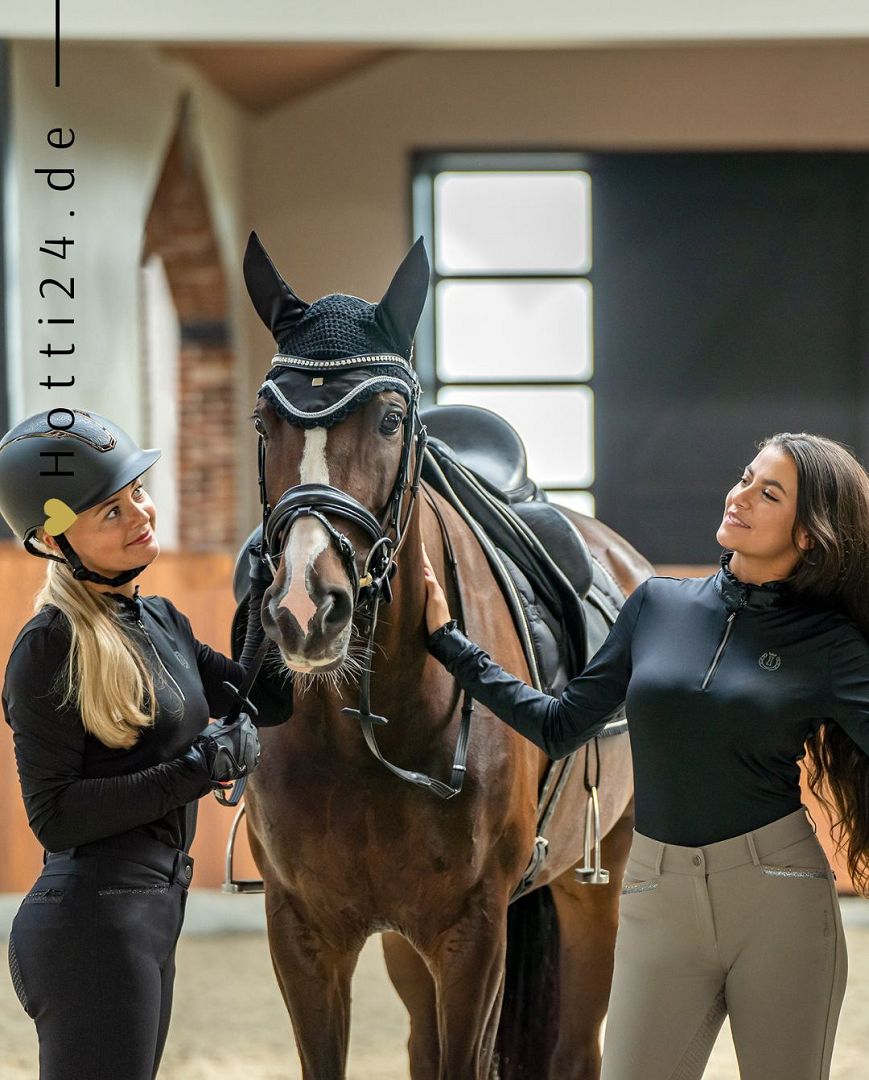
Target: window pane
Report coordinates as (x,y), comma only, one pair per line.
(512,221)
(495,330)
(582,501)
(555,424)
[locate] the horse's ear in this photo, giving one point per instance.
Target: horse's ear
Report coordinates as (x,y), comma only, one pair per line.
(399,310)
(276,303)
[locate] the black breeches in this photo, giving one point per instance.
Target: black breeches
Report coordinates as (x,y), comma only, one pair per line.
(92,958)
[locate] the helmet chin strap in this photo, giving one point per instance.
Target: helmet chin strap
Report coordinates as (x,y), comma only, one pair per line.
(79,571)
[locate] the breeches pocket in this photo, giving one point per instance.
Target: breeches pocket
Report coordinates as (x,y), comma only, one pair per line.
(639,879)
(632,886)
(802,861)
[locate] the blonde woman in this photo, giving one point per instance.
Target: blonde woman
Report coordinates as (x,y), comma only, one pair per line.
(109,695)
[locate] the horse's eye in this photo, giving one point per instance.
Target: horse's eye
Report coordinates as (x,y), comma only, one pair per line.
(391,423)
(258,427)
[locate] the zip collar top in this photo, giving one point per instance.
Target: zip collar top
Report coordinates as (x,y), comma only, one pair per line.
(127,605)
(727,682)
(722,682)
(75,788)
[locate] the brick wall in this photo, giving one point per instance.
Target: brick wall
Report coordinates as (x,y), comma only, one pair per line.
(179,229)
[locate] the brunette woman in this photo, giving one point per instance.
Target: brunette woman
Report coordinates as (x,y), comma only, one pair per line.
(728,903)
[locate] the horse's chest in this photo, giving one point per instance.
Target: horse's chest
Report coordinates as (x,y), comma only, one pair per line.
(381,855)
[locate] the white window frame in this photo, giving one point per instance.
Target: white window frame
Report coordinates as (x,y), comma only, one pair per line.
(426,167)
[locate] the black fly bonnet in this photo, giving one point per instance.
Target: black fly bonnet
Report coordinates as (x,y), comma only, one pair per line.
(334,355)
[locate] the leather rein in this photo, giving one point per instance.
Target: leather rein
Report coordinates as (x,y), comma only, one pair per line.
(372,586)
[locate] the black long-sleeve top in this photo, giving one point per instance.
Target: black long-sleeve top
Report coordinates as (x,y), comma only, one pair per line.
(75,788)
(722,682)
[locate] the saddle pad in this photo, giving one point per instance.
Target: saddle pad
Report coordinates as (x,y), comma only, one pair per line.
(563,542)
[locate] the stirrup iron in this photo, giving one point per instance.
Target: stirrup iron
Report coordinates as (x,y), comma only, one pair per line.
(232,884)
(592,873)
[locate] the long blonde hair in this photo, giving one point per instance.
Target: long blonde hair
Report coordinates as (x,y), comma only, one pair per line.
(106,676)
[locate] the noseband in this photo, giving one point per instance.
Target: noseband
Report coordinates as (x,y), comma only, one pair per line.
(317,500)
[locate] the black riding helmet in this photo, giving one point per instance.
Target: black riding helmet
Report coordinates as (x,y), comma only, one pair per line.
(57,464)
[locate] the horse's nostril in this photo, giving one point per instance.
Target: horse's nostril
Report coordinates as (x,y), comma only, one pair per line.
(287,623)
(335,610)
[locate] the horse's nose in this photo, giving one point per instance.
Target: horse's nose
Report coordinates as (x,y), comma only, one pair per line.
(334,611)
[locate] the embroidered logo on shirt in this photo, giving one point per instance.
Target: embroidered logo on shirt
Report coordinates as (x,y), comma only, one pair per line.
(770,661)
(181,659)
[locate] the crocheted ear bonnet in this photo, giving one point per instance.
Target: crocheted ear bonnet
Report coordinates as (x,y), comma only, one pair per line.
(338,352)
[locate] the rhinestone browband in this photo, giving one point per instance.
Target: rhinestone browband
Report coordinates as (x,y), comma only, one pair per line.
(362,360)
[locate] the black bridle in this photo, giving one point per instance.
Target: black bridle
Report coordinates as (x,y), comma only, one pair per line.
(372,586)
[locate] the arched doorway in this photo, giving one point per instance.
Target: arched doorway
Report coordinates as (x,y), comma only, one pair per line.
(189,396)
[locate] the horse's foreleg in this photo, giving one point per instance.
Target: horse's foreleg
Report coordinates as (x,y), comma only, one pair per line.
(588,918)
(468,965)
(314,977)
(490,1035)
(415,986)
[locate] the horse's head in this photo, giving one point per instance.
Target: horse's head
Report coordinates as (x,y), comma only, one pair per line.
(339,442)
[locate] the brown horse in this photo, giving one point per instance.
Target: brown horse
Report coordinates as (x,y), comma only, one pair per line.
(346,849)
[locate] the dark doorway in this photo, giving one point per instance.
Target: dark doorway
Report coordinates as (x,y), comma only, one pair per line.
(730,302)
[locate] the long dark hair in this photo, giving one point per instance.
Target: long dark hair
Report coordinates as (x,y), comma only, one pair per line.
(833,508)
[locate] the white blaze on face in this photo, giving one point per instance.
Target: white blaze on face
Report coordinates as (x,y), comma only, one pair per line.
(307,539)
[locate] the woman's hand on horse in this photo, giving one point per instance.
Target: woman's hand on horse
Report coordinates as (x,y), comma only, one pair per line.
(436,610)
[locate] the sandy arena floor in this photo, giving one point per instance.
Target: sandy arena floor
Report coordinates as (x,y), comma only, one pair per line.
(237,1026)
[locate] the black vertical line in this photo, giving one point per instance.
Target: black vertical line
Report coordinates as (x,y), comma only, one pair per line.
(860,309)
(4,150)
(5,531)
(422,211)
(57,42)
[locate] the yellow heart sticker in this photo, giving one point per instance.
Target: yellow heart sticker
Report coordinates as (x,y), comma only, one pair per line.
(60,516)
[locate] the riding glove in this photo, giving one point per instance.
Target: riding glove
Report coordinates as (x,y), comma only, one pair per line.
(229,751)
